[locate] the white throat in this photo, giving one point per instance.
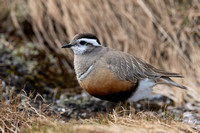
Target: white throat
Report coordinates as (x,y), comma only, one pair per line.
(78,50)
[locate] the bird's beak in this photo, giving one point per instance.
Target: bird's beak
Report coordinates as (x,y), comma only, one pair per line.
(67,46)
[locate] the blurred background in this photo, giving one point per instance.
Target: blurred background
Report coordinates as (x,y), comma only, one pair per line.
(164,33)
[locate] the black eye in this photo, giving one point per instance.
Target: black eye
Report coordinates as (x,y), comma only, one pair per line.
(82,42)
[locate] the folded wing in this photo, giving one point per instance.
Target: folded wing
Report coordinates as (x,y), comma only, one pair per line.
(133,69)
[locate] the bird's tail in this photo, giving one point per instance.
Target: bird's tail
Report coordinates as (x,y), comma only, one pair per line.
(167,80)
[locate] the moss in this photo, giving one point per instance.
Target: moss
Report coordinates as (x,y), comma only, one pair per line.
(29,65)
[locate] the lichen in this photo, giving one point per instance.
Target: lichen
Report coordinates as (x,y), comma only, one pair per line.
(28,65)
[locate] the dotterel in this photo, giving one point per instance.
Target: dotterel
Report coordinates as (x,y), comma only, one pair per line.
(113,75)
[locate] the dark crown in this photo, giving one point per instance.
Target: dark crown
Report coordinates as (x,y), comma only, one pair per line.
(86,35)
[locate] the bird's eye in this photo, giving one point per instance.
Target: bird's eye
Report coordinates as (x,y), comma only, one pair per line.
(82,42)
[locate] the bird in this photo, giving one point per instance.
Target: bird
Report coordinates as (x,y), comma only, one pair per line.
(113,75)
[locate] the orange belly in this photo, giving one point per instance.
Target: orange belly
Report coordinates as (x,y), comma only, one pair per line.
(107,86)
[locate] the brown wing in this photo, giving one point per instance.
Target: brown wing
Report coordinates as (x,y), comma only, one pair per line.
(131,68)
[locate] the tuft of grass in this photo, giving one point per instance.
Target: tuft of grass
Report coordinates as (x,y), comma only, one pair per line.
(16,111)
(116,122)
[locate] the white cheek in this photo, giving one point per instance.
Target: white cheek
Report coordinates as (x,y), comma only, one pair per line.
(79,49)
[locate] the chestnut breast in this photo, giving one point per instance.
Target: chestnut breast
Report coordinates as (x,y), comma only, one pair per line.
(106,85)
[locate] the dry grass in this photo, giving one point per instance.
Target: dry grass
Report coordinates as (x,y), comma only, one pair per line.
(112,123)
(18,115)
(163,33)
(16,112)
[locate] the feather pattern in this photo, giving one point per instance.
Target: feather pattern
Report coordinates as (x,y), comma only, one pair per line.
(133,69)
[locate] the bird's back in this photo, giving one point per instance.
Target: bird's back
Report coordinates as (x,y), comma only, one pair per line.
(131,68)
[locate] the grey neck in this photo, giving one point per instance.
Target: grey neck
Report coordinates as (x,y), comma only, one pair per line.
(84,63)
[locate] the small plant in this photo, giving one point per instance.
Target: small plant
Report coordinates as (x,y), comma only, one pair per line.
(16,111)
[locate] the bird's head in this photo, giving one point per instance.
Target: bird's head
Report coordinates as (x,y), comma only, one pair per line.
(83,43)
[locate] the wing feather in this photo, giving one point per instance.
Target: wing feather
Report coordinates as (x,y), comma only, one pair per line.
(131,68)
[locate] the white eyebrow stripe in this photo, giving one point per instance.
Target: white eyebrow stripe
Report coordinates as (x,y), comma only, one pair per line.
(92,41)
